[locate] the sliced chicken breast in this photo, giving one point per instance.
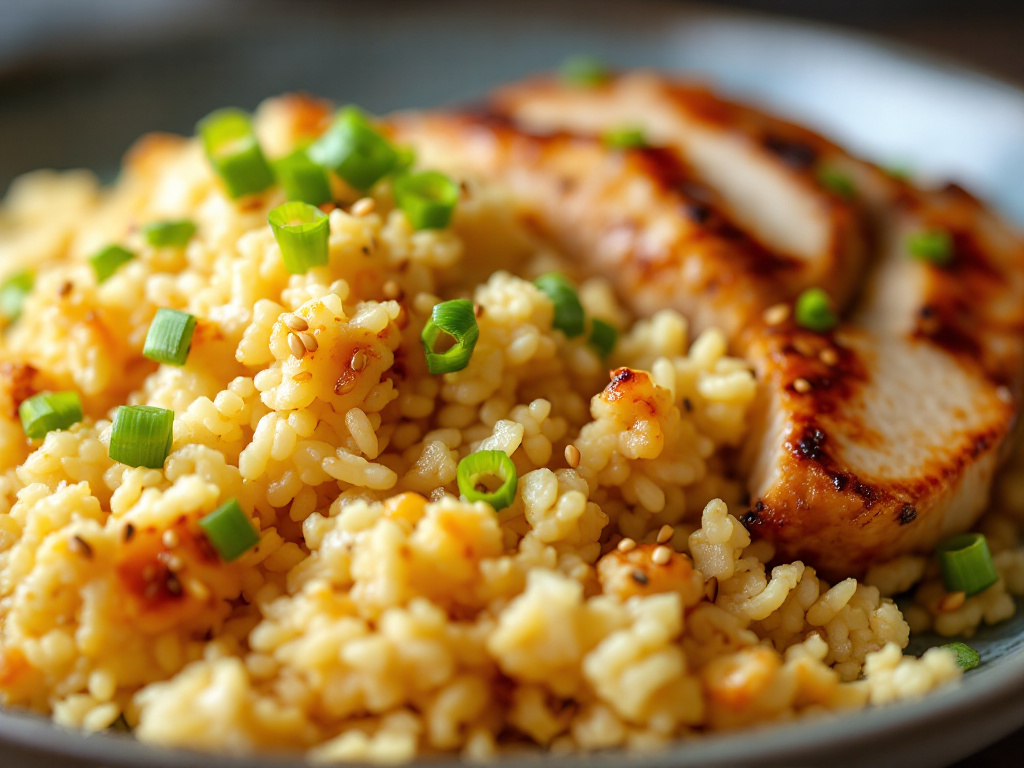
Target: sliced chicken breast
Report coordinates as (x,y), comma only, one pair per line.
(878,439)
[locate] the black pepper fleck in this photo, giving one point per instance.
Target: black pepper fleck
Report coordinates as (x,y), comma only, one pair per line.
(640,577)
(907,515)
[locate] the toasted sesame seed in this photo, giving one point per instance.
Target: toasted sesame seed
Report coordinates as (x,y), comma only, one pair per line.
(777,314)
(81,546)
(295,345)
(572,457)
(358,361)
(803,346)
(308,341)
(391,290)
(175,563)
(294,322)
(803,386)
(829,356)
(170,539)
(626,545)
(666,533)
(345,384)
(302,376)
(711,588)
(952,601)
(661,555)
(363,206)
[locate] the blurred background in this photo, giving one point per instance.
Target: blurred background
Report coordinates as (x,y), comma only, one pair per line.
(81,79)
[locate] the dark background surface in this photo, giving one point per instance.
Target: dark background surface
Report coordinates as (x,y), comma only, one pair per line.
(56,46)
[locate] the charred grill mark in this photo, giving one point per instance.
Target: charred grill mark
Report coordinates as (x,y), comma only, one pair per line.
(907,514)
(795,154)
(809,445)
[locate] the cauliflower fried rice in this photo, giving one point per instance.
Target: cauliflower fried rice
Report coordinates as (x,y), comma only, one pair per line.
(616,602)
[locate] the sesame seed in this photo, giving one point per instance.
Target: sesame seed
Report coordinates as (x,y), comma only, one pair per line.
(572,456)
(344,384)
(170,539)
(777,314)
(711,588)
(829,356)
(626,545)
(661,555)
(952,601)
(81,546)
(308,341)
(803,386)
(363,206)
(294,322)
(803,346)
(302,376)
(391,290)
(175,563)
(295,345)
(358,361)
(666,533)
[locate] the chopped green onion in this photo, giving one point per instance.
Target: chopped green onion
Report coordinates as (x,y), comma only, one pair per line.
(584,71)
(405,159)
(234,152)
(967,564)
(457,319)
(170,336)
(230,531)
(141,436)
(44,413)
(476,466)
(899,172)
(106,261)
(169,234)
(569,315)
(302,231)
(354,150)
(966,657)
(624,138)
(814,311)
(13,293)
(427,199)
(603,337)
(838,182)
(934,246)
(302,179)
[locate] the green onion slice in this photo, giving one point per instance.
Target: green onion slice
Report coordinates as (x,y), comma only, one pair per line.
(106,261)
(933,246)
(624,138)
(569,315)
(141,436)
(584,71)
(475,467)
(405,159)
(814,311)
(354,150)
(302,179)
(234,152)
(302,231)
(169,234)
(48,411)
(427,199)
(967,564)
(170,336)
(230,531)
(838,182)
(13,292)
(966,657)
(603,337)
(457,319)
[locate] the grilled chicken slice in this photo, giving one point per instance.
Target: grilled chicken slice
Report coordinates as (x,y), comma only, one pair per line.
(876,440)
(643,218)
